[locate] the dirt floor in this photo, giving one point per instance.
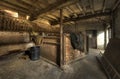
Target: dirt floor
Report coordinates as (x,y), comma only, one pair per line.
(15,67)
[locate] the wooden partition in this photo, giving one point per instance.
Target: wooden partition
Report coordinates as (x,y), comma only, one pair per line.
(51,49)
(112,53)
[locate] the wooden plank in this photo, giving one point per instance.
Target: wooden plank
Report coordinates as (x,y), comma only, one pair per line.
(116,5)
(24,3)
(92,6)
(80,8)
(54,6)
(61,39)
(82,17)
(15,5)
(4,6)
(103,8)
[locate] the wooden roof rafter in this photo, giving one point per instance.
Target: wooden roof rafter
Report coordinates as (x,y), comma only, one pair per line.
(103,8)
(87,16)
(14,5)
(54,6)
(116,5)
(91,2)
(3,6)
(80,8)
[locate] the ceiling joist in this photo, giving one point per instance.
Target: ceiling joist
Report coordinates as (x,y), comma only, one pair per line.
(92,6)
(14,5)
(54,6)
(116,5)
(24,3)
(3,6)
(103,8)
(82,17)
(80,8)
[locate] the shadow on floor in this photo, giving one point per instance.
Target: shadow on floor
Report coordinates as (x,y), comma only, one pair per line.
(16,68)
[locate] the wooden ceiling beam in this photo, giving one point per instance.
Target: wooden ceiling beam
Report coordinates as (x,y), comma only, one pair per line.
(46,18)
(82,17)
(92,6)
(103,8)
(24,3)
(116,5)
(3,6)
(28,3)
(14,5)
(54,6)
(69,10)
(80,8)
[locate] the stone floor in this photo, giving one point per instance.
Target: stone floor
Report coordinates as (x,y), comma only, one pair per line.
(15,67)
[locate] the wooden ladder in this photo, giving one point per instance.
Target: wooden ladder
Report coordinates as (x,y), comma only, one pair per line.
(109,69)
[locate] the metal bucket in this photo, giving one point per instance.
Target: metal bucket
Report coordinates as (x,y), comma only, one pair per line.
(35,53)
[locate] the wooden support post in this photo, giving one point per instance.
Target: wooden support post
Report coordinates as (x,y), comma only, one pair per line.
(112,26)
(95,38)
(105,37)
(85,42)
(64,48)
(61,39)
